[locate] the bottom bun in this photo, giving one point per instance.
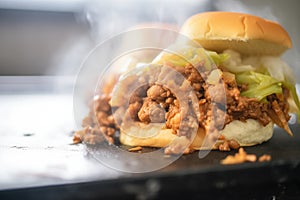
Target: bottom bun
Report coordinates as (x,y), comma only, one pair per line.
(247,133)
(146,135)
(156,136)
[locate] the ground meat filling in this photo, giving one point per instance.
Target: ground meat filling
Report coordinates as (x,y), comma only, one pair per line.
(151,111)
(99,125)
(156,103)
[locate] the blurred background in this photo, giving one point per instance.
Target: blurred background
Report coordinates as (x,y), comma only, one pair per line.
(52,37)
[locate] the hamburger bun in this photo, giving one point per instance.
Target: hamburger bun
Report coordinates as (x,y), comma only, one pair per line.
(158,137)
(247,133)
(244,33)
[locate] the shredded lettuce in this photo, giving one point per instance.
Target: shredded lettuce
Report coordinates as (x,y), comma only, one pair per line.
(278,69)
(240,69)
(259,85)
(276,74)
(188,55)
(295,106)
(218,58)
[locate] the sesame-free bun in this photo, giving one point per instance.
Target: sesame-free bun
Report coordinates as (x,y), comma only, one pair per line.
(247,133)
(159,137)
(244,33)
(142,135)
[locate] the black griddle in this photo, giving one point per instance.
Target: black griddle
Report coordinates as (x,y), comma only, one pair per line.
(191,177)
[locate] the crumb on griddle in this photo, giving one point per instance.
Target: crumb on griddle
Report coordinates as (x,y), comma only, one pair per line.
(239,157)
(138,148)
(264,158)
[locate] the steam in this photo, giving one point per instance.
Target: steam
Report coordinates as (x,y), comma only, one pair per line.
(104,19)
(112,17)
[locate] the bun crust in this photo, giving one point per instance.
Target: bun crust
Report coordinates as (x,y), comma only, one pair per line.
(162,138)
(247,133)
(247,34)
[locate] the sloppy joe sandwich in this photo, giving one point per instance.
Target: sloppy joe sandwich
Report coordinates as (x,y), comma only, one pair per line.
(231,89)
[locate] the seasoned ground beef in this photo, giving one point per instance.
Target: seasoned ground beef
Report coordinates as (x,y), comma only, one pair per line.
(151,111)
(218,104)
(99,124)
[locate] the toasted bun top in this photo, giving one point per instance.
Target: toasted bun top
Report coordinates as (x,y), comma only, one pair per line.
(247,34)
